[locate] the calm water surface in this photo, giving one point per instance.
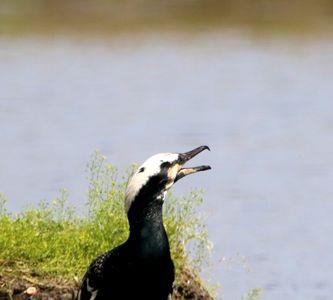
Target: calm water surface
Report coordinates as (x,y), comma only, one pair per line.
(264,106)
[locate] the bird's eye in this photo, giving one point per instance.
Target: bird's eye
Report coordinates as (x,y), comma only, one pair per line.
(141,170)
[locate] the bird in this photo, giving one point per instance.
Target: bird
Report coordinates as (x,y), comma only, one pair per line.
(141,267)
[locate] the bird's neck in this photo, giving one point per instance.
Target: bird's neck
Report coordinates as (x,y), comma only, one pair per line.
(146,217)
(146,225)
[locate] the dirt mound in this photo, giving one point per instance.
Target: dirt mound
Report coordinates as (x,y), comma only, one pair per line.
(15,288)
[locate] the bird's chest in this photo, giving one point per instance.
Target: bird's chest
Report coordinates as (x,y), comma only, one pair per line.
(152,258)
(155,274)
(151,261)
(143,275)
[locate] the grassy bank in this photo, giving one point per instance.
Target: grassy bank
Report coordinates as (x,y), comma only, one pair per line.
(54,243)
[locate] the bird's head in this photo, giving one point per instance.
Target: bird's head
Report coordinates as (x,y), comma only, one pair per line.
(156,176)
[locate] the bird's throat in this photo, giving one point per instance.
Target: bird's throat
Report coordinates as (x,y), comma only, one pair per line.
(146,226)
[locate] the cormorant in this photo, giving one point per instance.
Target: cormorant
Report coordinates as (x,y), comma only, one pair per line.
(141,267)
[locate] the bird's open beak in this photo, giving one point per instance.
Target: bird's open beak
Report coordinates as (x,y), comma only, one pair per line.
(185,157)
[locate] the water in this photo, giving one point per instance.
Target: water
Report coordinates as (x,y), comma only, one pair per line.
(263,105)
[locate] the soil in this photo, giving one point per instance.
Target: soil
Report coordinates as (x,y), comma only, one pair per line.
(14,288)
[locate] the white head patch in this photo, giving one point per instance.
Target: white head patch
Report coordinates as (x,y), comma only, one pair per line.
(149,168)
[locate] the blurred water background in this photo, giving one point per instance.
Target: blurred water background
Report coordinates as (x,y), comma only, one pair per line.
(252,79)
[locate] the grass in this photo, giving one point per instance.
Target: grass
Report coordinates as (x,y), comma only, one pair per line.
(54,241)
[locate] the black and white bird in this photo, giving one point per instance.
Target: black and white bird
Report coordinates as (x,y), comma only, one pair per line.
(141,267)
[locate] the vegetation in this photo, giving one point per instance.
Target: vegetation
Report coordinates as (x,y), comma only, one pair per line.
(253,294)
(54,241)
